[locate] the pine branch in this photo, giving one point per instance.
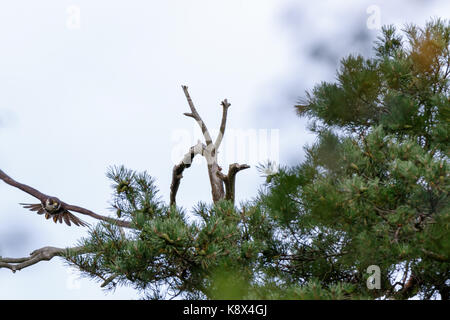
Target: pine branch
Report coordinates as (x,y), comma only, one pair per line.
(435,256)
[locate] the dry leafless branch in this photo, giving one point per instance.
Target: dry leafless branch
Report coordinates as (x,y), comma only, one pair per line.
(177,172)
(42,254)
(225,106)
(230,179)
(194,114)
(209,151)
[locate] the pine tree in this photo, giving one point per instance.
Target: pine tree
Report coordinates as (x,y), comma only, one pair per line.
(373,189)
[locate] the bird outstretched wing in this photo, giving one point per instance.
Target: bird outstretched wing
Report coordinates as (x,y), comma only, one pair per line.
(34,207)
(62,215)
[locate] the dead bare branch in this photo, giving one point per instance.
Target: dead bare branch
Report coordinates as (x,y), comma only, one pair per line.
(177,172)
(225,105)
(216,178)
(230,179)
(194,114)
(42,254)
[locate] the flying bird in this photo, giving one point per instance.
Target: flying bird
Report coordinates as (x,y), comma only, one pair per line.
(53,208)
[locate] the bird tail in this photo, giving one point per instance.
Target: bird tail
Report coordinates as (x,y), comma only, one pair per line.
(77,221)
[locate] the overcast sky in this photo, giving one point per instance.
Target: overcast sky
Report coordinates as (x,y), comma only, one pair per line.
(90,84)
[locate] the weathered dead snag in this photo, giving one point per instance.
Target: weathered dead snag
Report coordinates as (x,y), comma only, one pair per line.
(222,186)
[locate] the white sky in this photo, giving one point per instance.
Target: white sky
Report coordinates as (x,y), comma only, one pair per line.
(75,101)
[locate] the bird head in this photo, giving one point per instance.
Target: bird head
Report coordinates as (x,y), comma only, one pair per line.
(52,204)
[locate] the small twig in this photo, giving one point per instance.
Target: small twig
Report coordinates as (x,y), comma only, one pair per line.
(435,256)
(409,286)
(395,240)
(405,274)
(108,280)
